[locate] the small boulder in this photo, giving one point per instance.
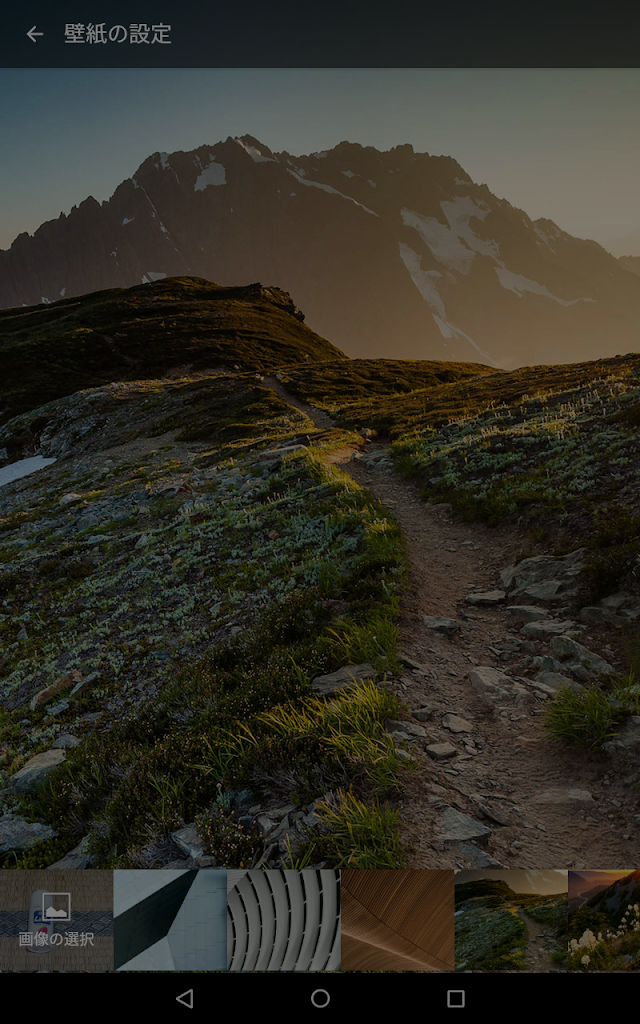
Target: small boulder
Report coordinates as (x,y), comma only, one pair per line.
(17,835)
(342,678)
(547,592)
(78,859)
(487,597)
(565,647)
(458,827)
(441,624)
(454,723)
(423,714)
(627,739)
(555,681)
(65,682)
(547,627)
(564,799)
(189,841)
(441,751)
(524,613)
(34,772)
(490,682)
(409,728)
(65,742)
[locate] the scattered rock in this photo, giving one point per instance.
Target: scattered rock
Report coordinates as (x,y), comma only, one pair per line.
(627,739)
(85,684)
(490,681)
(400,737)
(555,681)
(566,647)
(34,772)
(594,615)
(545,663)
(548,592)
(441,624)
(441,751)
(523,613)
(478,857)
(17,835)
(615,601)
(488,597)
(492,815)
(65,742)
(423,714)
(542,568)
(265,824)
(70,498)
(405,659)
(456,724)
(78,859)
(63,683)
(408,728)
(564,799)
(547,627)
(188,840)
(458,826)
(342,678)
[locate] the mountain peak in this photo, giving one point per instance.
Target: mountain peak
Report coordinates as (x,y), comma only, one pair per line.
(390,253)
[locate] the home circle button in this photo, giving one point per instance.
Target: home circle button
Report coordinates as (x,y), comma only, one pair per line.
(320,998)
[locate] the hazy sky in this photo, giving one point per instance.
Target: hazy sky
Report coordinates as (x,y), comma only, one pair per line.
(559,143)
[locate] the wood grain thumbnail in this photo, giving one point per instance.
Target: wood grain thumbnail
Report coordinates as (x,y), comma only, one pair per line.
(397,921)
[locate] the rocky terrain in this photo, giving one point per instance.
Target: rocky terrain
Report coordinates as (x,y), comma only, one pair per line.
(239,627)
(391,254)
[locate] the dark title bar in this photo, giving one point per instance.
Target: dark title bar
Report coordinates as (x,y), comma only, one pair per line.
(405,34)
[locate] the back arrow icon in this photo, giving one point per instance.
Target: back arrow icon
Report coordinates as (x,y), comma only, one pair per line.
(186,999)
(32,34)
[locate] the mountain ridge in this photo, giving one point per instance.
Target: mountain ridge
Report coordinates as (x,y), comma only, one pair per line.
(392,253)
(174,326)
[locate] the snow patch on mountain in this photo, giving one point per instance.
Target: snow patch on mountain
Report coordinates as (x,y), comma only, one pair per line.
(329,188)
(23,468)
(349,174)
(425,282)
(444,244)
(519,284)
(254,152)
(127,220)
(214,174)
(449,330)
(455,243)
(151,276)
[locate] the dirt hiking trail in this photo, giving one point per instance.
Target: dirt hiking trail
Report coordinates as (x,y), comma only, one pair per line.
(537,951)
(508,795)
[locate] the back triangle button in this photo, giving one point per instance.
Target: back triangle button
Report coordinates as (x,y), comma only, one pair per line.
(186,998)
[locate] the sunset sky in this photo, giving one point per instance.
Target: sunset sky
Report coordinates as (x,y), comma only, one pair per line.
(559,143)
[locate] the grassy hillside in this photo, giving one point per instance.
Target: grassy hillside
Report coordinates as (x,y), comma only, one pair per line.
(604,934)
(172,325)
(491,933)
(553,448)
(196,589)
